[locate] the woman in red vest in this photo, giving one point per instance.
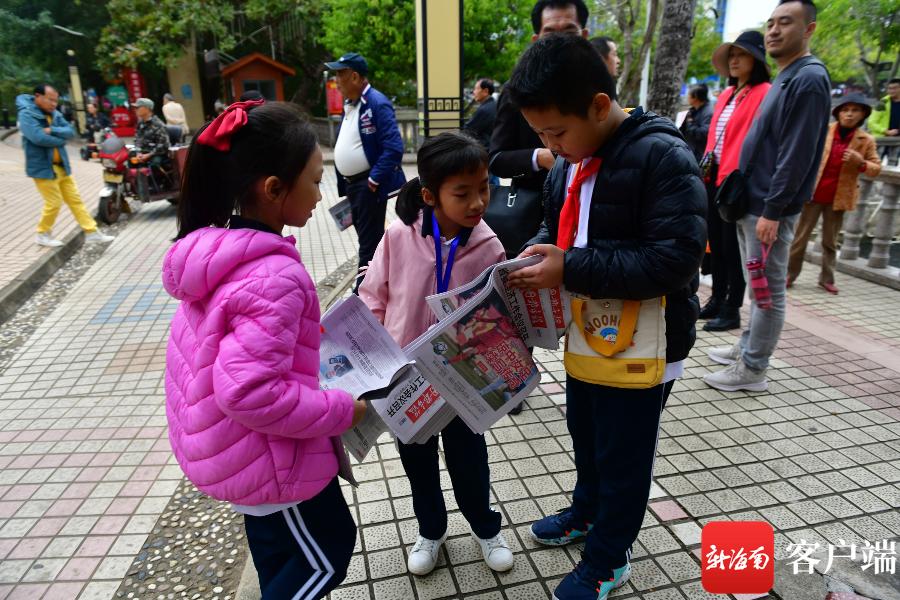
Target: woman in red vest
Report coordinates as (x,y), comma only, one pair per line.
(743,62)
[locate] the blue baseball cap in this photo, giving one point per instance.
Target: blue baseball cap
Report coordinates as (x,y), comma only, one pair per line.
(351,60)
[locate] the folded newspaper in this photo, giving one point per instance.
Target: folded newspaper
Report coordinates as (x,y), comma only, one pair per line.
(473,363)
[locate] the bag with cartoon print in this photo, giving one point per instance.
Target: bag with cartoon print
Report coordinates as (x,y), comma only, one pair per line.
(617,343)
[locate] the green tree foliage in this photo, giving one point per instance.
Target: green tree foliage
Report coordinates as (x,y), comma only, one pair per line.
(155,31)
(855,36)
(705,41)
(33,51)
(495,33)
(383,31)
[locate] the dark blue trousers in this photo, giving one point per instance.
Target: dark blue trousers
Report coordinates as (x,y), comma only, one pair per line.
(467,462)
(614,433)
(303,552)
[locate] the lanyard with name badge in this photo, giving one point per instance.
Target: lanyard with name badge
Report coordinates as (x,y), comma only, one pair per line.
(443,276)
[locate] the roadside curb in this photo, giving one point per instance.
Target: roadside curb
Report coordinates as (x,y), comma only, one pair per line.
(15,293)
(8,134)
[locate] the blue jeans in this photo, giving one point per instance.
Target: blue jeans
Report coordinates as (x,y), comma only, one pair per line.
(614,433)
(759,339)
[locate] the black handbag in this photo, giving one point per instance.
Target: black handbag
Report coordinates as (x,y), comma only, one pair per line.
(515,214)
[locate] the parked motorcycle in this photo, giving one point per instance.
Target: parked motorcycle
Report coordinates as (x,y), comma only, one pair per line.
(128,179)
(91,149)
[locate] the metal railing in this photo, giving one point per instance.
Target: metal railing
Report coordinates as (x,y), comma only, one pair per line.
(888,147)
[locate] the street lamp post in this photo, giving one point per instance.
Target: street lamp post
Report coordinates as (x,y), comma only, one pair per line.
(77,96)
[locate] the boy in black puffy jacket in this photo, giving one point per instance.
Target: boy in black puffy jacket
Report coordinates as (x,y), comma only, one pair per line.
(625,219)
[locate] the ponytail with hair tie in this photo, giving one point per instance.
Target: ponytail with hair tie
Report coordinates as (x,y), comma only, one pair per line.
(409,201)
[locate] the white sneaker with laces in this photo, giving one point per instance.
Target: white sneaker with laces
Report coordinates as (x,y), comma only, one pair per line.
(736,377)
(496,552)
(725,355)
(98,238)
(44,239)
(424,555)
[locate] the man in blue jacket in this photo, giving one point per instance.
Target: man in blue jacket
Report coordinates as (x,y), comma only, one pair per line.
(44,134)
(368,152)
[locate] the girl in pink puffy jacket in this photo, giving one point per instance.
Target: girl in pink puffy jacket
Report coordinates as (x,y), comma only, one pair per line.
(247,420)
(440,242)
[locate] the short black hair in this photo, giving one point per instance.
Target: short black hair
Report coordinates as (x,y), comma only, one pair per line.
(601,43)
(895,80)
(563,71)
(700,92)
(537,13)
(809,7)
(486,84)
(41,89)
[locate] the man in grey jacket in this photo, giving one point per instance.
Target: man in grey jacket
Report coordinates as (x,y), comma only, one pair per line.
(780,158)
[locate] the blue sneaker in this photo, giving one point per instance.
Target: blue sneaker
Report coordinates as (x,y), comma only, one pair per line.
(560,529)
(584,584)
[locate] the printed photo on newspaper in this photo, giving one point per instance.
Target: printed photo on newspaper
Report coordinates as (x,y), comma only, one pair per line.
(474,363)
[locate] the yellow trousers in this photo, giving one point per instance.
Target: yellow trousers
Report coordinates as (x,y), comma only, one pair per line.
(55,192)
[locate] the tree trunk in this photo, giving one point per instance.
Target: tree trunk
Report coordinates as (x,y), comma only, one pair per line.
(627,14)
(673,51)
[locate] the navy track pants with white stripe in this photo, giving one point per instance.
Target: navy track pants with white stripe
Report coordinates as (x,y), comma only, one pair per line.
(302,553)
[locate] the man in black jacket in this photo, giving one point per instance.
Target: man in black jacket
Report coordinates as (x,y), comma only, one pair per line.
(516,150)
(696,124)
(624,220)
(481,125)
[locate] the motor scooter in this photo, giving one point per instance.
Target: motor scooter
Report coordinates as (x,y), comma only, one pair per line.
(91,149)
(127,179)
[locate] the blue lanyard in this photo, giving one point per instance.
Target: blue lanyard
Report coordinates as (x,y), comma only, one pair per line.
(443,277)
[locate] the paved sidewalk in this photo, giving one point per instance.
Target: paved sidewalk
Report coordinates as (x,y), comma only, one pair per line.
(87,470)
(21,206)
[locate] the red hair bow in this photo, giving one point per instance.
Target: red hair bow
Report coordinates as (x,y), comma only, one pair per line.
(218,133)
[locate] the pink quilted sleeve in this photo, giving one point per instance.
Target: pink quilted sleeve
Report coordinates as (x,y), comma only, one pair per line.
(374,288)
(250,374)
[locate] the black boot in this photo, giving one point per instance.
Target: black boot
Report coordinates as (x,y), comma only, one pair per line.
(729,318)
(711,309)
(518,409)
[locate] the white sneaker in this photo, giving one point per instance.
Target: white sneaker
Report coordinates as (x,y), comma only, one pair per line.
(725,355)
(496,552)
(738,376)
(44,239)
(98,238)
(424,555)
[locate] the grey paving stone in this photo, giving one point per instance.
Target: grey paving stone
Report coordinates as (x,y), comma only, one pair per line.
(837,481)
(666,594)
(646,575)
(727,500)
(354,592)
(474,577)
(756,496)
(679,566)
(528,591)
(439,584)
(810,512)
(782,518)
(387,563)
(658,539)
(677,485)
(838,506)
(550,562)
(393,589)
(521,571)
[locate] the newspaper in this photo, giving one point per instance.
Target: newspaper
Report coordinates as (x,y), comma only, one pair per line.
(540,315)
(474,362)
(342,214)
